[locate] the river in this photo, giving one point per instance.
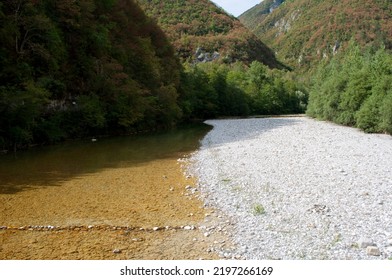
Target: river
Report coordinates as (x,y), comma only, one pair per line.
(115,198)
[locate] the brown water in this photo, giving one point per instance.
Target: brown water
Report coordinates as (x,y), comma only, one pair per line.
(51,166)
(98,195)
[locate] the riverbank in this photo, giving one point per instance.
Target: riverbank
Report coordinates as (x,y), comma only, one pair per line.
(297,188)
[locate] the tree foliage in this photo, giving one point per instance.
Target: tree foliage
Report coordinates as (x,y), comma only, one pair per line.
(73,68)
(354,88)
(193,24)
(240,90)
(304,32)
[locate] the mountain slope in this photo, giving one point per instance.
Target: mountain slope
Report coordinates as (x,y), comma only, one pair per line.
(252,17)
(77,68)
(200,28)
(306,31)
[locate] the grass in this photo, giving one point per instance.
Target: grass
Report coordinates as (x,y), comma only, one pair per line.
(237,188)
(258,209)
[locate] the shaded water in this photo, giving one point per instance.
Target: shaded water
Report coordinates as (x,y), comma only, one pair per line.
(49,166)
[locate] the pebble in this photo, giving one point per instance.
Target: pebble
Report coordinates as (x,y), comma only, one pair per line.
(373,251)
(365,242)
(117,251)
(137,239)
(319,181)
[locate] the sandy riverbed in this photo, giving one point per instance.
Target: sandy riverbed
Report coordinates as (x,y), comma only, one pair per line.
(86,210)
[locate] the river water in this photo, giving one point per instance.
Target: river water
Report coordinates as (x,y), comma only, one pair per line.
(49,166)
(86,188)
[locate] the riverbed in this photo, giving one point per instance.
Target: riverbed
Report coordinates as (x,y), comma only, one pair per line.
(298,188)
(114,198)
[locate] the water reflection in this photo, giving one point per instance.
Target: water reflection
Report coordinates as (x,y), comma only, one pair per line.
(49,166)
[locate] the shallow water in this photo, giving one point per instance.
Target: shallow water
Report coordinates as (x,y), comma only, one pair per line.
(124,182)
(49,166)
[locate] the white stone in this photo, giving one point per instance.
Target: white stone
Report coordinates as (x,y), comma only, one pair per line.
(365,242)
(289,165)
(373,251)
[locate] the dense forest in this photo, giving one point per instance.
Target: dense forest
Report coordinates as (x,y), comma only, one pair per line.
(341,50)
(72,69)
(355,88)
(75,68)
(213,90)
(200,24)
(304,32)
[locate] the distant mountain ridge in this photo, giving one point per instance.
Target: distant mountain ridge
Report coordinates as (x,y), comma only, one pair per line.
(256,13)
(306,31)
(200,30)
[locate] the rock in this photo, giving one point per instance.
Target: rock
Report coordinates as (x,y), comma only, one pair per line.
(189,227)
(389,242)
(206,234)
(365,242)
(117,251)
(373,251)
(155,228)
(137,239)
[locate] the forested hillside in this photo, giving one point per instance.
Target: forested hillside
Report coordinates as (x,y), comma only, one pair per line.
(76,68)
(341,49)
(355,88)
(254,16)
(304,32)
(199,24)
(89,68)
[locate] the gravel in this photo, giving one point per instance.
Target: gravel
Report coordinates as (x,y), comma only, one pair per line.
(297,188)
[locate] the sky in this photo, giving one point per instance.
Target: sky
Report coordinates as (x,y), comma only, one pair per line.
(236,7)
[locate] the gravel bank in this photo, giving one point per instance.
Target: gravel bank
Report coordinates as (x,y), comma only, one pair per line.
(296,188)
